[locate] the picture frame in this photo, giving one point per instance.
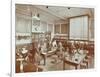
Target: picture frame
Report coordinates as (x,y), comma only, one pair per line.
(30,74)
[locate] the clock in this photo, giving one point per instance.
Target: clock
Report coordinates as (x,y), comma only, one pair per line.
(35,25)
(35,28)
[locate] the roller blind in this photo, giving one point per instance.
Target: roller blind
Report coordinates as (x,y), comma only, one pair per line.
(79,28)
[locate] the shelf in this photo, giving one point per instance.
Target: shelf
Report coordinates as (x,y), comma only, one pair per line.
(23,34)
(19,42)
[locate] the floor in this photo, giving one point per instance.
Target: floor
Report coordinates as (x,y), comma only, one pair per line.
(55,64)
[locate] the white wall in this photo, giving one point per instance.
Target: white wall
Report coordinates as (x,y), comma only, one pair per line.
(91,28)
(23,28)
(23,25)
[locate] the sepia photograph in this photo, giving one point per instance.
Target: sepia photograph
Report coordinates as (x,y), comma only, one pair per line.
(53,38)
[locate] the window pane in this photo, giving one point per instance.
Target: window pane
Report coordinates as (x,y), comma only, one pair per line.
(57,28)
(43,26)
(64,29)
(50,28)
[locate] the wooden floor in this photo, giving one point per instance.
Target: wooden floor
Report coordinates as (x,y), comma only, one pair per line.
(56,65)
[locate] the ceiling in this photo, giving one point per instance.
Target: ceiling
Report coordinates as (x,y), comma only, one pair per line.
(53,13)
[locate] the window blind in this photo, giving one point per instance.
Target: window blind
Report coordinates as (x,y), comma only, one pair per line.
(79,28)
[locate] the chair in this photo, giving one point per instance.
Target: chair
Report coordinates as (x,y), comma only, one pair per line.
(86,62)
(29,67)
(17,67)
(83,66)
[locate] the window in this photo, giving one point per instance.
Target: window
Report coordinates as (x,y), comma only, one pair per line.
(64,29)
(43,26)
(79,28)
(57,28)
(50,28)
